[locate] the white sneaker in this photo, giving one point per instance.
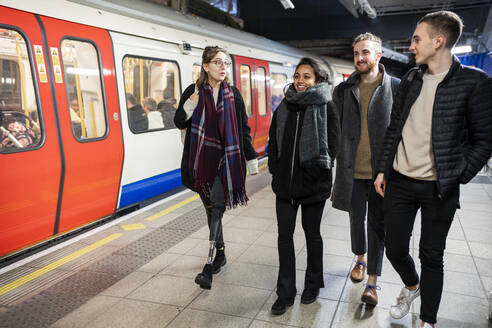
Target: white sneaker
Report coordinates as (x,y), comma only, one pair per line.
(403,302)
(427,325)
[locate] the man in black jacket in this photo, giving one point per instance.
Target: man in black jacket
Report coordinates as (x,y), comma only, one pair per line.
(137,118)
(439,136)
(364,102)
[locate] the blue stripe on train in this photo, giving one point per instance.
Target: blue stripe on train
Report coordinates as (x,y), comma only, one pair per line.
(150,187)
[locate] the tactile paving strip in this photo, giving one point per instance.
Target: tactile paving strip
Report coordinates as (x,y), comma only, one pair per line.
(63,297)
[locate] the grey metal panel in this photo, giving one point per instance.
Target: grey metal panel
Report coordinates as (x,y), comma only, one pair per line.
(160,14)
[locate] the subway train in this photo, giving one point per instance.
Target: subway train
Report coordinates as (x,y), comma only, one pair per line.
(79,81)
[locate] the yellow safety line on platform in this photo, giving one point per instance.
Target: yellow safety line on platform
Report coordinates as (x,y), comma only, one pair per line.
(133,226)
(21,281)
(171,208)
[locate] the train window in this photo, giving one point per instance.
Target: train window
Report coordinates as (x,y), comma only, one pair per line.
(262,91)
(278,82)
(153,88)
(246,88)
(84,89)
(19,114)
(196,72)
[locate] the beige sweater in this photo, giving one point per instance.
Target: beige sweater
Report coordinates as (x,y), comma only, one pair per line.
(415,157)
(363,167)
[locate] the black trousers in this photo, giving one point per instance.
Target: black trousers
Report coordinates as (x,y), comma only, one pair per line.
(286,222)
(404,196)
(215,208)
(364,197)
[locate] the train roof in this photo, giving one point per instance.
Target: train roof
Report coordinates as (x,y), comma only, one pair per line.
(159,22)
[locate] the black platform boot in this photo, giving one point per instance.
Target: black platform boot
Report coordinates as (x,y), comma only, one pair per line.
(219,260)
(204,278)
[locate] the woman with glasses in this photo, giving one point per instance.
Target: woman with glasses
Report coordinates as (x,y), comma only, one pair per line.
(217,142)
(303,141)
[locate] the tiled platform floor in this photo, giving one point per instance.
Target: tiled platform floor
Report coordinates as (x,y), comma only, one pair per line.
(162,293)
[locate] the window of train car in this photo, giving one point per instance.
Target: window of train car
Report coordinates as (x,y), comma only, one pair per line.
(278,81)
(20,126)
(84,89)
(246,88)
(260,79)
(153,89)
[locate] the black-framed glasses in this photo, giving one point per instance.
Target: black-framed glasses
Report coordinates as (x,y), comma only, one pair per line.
(220,62)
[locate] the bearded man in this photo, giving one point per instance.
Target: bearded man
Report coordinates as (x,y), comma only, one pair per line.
(364,102)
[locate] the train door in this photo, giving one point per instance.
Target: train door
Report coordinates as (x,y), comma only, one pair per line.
(252,81)
(244,70)
(30,168)
(85,89)
(263,112)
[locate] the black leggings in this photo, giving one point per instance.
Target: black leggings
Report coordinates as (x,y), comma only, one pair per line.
(215,208)
(286,221)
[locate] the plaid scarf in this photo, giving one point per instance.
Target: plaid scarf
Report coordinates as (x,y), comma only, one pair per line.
(214,146)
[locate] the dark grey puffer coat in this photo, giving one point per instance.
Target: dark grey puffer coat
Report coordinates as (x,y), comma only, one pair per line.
(378,112)
(461,123)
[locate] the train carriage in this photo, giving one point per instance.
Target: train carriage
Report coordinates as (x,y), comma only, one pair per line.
(74,150)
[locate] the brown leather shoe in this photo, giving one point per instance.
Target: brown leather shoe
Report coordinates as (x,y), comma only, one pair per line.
(370,296)
(358,272)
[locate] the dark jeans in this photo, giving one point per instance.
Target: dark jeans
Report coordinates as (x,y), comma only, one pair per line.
(365,197)
(215,208)
(404,196)
(286,222)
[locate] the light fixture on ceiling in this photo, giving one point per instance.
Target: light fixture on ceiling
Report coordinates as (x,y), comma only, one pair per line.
(287,4)
(356,7)
(462,49)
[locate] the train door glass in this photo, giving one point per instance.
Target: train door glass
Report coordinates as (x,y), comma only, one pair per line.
(19,116)
(246,92)
(278,83)
(83,87)
(260,80)
(196,72)
(152,106)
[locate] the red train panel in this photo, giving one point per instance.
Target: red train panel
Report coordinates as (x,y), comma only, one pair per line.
(30,179)
(94,161)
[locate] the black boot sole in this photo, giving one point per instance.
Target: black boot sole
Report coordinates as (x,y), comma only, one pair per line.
(203,281)
(283,310)
(308,301)
(305,300)
(220,267)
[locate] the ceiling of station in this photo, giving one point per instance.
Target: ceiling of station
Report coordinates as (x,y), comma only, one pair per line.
(327,27)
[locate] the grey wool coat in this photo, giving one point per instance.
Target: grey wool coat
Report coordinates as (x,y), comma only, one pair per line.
(379,111)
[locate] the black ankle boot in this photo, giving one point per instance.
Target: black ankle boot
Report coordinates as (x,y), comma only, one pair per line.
(309,295)
(281,304)
(204,278)
(219,260)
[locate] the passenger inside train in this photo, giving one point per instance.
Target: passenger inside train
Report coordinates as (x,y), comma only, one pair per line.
(136,114)
(75,117)
(15,133)
(167,107)
(154,117)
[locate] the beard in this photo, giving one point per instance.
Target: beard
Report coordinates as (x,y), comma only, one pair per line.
(370,65)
